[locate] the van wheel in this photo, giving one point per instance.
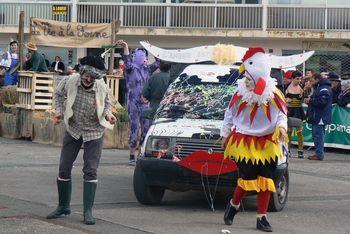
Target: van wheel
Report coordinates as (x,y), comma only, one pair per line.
(279,199)
(145,194)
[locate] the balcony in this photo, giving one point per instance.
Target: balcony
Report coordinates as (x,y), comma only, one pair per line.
(262,17)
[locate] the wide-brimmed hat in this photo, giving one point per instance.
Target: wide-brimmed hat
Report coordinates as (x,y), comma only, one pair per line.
(31,46)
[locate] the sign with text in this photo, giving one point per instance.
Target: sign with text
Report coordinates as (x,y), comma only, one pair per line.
(59,9)
(322,45)
(337,133)
(67,34)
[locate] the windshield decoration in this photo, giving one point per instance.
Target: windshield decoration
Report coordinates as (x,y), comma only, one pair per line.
(190,98)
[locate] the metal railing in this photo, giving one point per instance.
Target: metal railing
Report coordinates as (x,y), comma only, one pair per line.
(242,17)
(185,15)
(97,13)
(308,18)
(144,16)
(338,18)
(173,15)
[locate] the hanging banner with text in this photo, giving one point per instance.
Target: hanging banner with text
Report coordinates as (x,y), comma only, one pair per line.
(67,34)
(337,133)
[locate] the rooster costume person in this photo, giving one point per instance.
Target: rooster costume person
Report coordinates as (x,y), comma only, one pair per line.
(254,123)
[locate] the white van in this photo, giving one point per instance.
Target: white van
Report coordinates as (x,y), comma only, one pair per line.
(188,121)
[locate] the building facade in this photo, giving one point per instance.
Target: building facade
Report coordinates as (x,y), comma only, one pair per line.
(280,26)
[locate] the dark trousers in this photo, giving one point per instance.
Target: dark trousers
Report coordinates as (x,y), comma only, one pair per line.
(70,150)
(318,132)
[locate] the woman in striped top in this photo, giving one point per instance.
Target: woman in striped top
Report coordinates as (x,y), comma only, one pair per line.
(294,98)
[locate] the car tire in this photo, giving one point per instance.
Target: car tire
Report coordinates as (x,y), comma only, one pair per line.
(279,199)
(145,194)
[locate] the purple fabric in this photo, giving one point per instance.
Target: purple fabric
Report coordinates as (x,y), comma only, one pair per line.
(136,78)
(136,122)
(139,57)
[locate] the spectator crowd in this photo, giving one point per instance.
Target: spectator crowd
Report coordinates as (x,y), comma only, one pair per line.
(318,92)
(33,61)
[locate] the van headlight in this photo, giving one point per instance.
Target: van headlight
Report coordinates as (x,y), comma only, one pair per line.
(158,146)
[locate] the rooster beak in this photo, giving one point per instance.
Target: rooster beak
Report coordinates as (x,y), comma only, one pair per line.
(241,69)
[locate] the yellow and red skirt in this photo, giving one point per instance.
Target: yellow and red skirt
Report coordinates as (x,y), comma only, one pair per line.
(256,158)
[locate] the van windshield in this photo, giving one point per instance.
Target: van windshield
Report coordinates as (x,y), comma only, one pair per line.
(189,97)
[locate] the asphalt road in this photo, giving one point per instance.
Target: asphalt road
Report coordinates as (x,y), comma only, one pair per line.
(319,198)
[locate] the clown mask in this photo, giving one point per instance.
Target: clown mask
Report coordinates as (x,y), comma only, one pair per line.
(87,80)
(88,75)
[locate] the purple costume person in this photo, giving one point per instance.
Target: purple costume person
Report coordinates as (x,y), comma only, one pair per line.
(137,73)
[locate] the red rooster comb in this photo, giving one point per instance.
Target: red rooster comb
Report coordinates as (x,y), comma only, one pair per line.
(251,51)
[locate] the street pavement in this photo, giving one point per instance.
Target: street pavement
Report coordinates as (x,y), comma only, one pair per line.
(319,198)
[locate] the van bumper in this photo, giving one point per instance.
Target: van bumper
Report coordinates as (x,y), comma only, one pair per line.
(171,175)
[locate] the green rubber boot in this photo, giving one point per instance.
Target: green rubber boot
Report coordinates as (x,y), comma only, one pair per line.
(89,197)
(64,194)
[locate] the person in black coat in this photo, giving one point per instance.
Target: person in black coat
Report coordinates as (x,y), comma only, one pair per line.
(335,80)
(155,88)
(58,66)
(319,113)
(344,97)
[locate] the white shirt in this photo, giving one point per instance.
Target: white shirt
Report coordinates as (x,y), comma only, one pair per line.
(56,66)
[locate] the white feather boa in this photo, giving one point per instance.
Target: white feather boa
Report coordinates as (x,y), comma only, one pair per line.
(250,97)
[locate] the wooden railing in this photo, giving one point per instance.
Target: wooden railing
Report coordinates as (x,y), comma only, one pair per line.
(35,90)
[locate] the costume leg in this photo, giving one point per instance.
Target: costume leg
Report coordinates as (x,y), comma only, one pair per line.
(92,155)
(263,201)
(266,186)
(134,120)
(145,123)
(246,182)
(89,198)
(69,152)
(300,138)
(238,195)
(64,195)
(290,131)
(300,142)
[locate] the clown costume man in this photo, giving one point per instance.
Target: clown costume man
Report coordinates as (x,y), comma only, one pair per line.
(254,124)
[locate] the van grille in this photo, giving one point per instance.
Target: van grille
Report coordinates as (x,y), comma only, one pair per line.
(189,146)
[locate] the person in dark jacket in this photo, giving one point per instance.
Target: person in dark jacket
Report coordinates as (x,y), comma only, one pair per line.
(57,65)
(319,113)
(344,97)
(156,86)
(36,62)
(335,80)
